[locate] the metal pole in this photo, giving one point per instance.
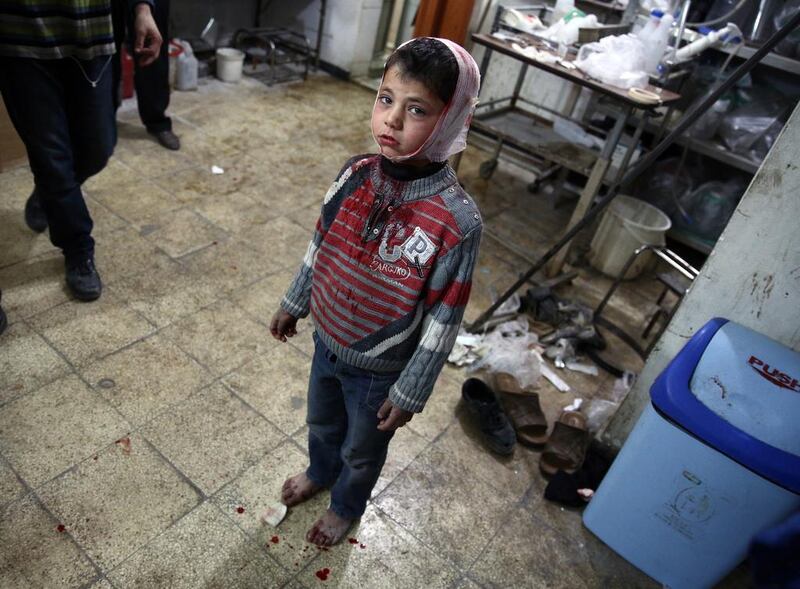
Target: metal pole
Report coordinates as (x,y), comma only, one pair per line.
(688,119)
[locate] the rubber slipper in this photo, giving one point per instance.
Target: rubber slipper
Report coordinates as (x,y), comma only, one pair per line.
(566,448)
(527,417)
(504,383)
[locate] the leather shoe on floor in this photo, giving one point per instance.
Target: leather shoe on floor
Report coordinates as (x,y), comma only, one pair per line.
(83,280)
(35,217)
(498,435)
(168,139)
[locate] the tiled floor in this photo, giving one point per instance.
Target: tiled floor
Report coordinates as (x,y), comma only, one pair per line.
(142,435)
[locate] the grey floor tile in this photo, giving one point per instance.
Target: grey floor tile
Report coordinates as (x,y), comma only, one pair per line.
(221,337)
(212,437)
(141,393)
(382,553)
(11,487)
(27,363)
(204,549)
(449,509)
(36,552)
(87,332)
(527,553)
(33,285)
(260,487)
(165,292)
(276,384)
(115,504)
(182,232)
(44,433)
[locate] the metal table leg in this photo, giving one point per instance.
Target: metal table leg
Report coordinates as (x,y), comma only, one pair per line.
(592,186)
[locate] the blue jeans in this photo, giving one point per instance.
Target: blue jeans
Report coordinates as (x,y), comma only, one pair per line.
(346,448)
(69,132)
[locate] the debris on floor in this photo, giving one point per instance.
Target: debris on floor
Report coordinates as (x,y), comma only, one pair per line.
(274,514)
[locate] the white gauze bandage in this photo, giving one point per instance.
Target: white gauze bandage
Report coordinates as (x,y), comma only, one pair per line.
(449,136)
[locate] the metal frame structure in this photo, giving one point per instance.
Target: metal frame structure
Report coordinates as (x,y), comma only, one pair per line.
(689,118)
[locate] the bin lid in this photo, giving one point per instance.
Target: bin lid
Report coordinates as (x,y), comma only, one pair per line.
(739,392)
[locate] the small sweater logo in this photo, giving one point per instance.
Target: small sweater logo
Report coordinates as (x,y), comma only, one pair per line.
(418,248)
(774,375)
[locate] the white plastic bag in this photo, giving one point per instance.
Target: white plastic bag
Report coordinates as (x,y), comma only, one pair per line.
(565,30)
(508,349)
(618,60)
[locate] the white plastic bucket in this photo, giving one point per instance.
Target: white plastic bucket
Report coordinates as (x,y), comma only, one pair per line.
(626,225)
(229,64)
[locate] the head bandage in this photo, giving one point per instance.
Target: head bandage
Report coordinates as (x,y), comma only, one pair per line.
(449,136)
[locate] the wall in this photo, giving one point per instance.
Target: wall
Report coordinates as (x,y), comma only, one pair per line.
(348,35)
(752,276)
(349,32)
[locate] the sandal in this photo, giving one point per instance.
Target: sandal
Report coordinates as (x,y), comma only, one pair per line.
(504,383)
(522,408)
(566,448)
(526,414)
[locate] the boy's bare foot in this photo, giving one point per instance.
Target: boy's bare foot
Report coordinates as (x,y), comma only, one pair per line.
(328,530)
(297,489)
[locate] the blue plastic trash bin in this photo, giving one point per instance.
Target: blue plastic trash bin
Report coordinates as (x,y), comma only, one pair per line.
(712,461)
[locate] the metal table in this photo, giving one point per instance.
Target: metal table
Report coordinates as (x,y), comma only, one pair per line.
(515,126)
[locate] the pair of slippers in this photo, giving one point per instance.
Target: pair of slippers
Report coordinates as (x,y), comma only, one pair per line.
(565,448)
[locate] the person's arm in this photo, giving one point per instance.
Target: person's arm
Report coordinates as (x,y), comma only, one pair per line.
(448,292)
(296,303)
(147,39)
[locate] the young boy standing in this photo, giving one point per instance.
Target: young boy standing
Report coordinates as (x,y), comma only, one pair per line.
(386,278)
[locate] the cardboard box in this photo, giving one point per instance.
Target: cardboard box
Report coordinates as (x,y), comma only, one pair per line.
(12,150)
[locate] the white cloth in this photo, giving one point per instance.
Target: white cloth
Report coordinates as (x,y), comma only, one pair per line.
(449,136)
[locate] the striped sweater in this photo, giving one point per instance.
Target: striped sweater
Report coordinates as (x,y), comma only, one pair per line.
(55,29)
(388,273)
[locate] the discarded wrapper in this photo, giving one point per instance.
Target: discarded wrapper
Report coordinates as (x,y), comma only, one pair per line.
(274,514)
(217,170)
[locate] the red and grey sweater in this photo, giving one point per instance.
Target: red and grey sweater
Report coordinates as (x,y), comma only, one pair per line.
(388,273)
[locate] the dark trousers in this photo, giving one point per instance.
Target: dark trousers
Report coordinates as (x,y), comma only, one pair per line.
(69,133)
(346,449)
(151,82)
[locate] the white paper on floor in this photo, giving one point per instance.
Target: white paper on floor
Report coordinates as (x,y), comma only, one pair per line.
(554,379)
(274,514)
(217,170)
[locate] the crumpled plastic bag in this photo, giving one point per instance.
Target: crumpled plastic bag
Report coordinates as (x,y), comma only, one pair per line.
(617,60)
(566,30)
(709,207)
(511,348)
(743,127)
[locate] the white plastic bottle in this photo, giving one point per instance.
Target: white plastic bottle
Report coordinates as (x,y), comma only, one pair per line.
(656,45)
(646,32)
(186,78)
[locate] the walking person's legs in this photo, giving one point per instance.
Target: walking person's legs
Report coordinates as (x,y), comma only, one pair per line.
(63,111)
(152,85)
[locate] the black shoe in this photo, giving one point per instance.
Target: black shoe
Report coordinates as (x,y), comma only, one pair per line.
(34,213)
(83,280)
(498,433)
(3,318)
(168,139)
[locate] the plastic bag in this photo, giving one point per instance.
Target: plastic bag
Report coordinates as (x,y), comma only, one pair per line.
(618,60)
(565,30)
(508,348)
(744,126)
(710,206)
(790,46)
(600,411)
(667,186)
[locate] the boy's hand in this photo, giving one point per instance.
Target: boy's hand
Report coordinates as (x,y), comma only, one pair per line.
(392,417)
(283,325)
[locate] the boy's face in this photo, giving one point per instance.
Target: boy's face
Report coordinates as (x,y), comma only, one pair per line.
(404,114)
